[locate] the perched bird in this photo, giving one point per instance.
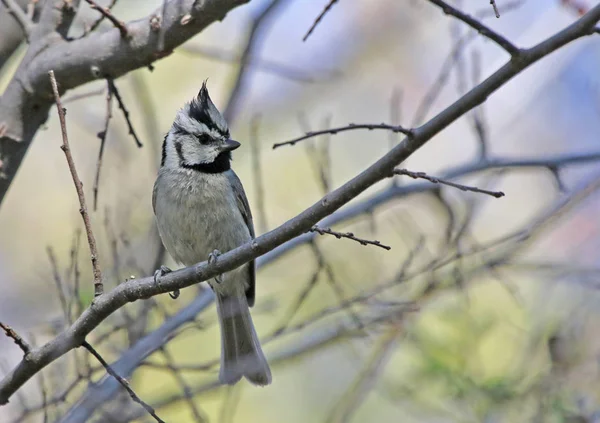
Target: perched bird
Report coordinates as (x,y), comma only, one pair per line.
(201,208)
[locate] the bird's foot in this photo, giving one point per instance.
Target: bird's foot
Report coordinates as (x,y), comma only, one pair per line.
(212,259)
(163,270)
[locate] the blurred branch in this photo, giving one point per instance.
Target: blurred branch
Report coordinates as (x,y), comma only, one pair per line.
(98,286)
(259,24)
(102,136)
(349,127)
(319,18)
(423,175)
(259,64)
(133,290)
(348,235)
(20,16)
(257,176)
(510,48)
(25,103)
(364,382)
(124,383)
(21,343)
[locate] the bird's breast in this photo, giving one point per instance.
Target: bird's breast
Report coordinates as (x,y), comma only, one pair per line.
(197,213)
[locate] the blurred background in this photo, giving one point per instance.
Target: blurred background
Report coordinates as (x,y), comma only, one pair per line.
(484,309)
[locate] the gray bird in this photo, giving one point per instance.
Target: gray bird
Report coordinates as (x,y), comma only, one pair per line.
(201,208)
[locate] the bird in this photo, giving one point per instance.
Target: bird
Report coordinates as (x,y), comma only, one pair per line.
(200,209)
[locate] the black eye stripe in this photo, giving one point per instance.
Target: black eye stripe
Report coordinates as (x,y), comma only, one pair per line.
(204,138)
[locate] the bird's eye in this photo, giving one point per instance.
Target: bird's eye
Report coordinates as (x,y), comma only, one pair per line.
(204,138)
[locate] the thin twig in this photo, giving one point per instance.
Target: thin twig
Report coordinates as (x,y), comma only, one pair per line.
(113,88)
(102,136)
(496,11)
(60,289)
(423,175)
(261,64)
(16,338)
(124,383)
(98,21)
(98,286)
(257,176)
(487,32)
(20,16)
(105,11)
(349,127)
(319,18)
(348,235)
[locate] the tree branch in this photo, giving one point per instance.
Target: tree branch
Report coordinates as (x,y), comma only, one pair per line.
(106,13)
(349,127)
(20,16)
(21,343)
(25,104)
(509,47)
(98,286)
(123,382)
(137,289)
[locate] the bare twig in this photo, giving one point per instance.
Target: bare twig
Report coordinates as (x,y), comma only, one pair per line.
(58,281)
(319,18)
(98,21)
(261,64)
(349,127)
(10,332)
(259,25)
(98,286)
(423,175)
(105,11)
(20,16)
(113,88)
(348,235)
(124,383)
(257,176)
(482,29)
(496,11)
(102,136)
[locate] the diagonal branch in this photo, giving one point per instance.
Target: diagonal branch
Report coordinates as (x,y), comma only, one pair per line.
(21,343)
(106,13)
(133,290)
(423,175)
(98,286)
(319,19)
(124,383)
(487,32)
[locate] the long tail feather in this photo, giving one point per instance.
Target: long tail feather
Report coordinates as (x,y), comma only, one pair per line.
(241,354)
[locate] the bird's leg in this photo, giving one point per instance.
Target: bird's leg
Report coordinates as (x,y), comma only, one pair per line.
(163,270)
(212,259)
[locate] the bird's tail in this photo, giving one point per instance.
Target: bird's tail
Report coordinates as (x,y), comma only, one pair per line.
(241,354)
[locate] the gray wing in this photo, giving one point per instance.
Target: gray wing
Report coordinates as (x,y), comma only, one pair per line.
(244,208)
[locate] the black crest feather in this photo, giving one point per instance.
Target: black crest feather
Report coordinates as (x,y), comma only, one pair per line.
(200,108)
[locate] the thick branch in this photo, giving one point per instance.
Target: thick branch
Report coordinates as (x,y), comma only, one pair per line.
(25,104)
(143,288)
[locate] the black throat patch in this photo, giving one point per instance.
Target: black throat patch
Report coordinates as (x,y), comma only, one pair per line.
(221,164)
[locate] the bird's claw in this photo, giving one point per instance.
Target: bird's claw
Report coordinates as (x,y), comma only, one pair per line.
(160,272)
(212,259)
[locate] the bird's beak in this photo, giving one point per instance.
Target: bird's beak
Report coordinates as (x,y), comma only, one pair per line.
(229,145)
